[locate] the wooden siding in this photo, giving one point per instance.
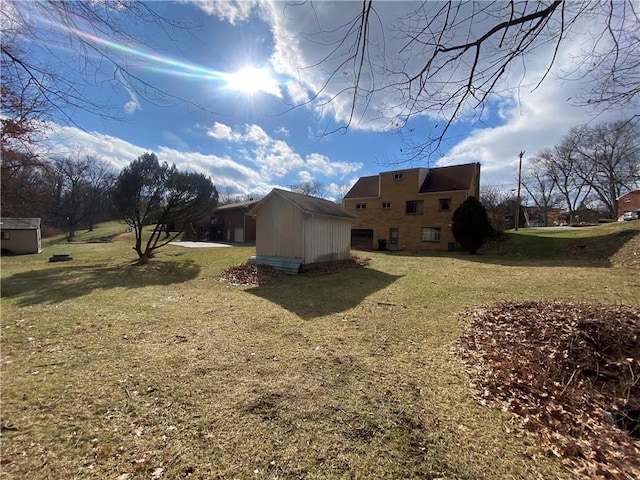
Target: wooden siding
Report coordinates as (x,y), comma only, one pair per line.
(326,239)
(279,229)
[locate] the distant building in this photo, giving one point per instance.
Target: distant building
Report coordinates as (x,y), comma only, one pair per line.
(629,202)
(232,223)
(20,235)
(410,209)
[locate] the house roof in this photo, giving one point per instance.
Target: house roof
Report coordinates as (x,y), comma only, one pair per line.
(446,179)
(231,206)
(19,223)
(365,187)
(631,192)
(306,203)
(440,179)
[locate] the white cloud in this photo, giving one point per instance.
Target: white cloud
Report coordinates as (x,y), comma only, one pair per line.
(534,120)
(67,140)
(275,158)
(232,11)
(305,34)
(220,131)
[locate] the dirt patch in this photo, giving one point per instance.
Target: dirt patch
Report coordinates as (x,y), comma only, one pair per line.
(250,274)
(570,372)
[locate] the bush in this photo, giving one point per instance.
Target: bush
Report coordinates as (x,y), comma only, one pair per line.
(471,224)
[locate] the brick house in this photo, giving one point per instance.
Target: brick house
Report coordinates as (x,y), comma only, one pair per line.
(629,202)
(410,209)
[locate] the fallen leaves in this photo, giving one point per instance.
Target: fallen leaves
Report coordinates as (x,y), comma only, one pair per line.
(255,275)
(567,370)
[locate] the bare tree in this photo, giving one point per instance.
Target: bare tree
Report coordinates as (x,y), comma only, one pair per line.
(80,188)
(609,160)
(499,204)
(467,51)
(310,187)
(540,185)
(85,33)
(561,165)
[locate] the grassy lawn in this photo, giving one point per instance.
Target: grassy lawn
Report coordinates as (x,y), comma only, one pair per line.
(112,370)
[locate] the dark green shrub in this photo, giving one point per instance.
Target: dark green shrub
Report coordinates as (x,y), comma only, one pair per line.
(470,224)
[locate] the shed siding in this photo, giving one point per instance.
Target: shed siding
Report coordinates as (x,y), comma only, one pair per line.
(327,239)
(22,241)
(279,230)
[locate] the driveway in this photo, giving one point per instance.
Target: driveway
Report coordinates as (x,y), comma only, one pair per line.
(199,244)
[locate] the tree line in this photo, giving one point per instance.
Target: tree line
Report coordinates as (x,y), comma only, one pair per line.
(591,167)
(67,192)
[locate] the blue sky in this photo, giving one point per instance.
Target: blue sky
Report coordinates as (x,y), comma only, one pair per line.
(243,131)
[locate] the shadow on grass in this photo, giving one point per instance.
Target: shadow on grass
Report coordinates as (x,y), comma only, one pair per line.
(66,282)
(311,297)
(544,250)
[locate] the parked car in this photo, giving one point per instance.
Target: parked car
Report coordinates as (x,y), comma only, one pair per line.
(628,216)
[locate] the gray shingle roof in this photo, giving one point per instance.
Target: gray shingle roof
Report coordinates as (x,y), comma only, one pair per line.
(308,204)
(19,223)
(365,187)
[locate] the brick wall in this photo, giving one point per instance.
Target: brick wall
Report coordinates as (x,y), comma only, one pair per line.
(389,210)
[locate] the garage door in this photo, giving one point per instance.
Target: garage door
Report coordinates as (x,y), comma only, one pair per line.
(361,239)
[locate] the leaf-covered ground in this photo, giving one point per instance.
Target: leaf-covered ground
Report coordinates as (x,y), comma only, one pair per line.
(251,274)
(570,371)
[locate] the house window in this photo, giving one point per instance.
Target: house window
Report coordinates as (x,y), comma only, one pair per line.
(386,205)
(430,234)
(414,206)
(627,200)
(398,176)
(5,236)
(361,206)
(444,204)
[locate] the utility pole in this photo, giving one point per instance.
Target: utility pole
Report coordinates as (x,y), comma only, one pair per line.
(516,220)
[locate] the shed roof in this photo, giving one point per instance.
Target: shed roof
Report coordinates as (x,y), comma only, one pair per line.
(445,179)
(231,206)
(306,203)
(19,223)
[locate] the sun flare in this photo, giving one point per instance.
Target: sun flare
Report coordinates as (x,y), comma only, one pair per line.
(251,80)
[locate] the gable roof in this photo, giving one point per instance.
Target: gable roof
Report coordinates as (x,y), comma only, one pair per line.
(19,223)
(439,179)
(232,206)
(633,193)
(306,203)
(446,179)
(365,187)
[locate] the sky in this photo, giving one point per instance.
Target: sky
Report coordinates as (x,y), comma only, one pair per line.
(251,108)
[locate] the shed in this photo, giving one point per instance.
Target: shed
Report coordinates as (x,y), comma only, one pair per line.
(232,223)
(293,230)
(20,235)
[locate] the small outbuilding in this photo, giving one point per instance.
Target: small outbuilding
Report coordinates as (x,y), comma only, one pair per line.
(20,235)
(295,230)
(232,223)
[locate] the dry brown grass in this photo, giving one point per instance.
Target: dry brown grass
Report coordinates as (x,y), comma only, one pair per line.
(162,371)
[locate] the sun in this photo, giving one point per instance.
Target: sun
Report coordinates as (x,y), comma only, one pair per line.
(252,80)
